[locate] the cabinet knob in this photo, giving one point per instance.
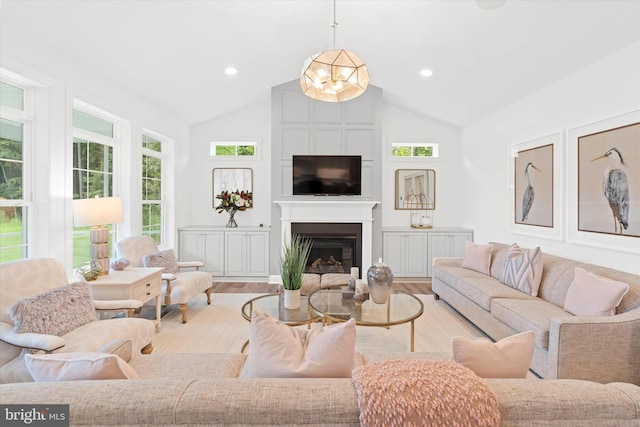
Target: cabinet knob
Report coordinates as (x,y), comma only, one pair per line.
(148,285)
(148,293)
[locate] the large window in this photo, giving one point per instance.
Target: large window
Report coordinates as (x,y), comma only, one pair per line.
(152,188)
(15,194)
(93,162)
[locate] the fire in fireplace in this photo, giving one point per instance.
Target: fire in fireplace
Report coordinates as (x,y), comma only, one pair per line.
(336,247)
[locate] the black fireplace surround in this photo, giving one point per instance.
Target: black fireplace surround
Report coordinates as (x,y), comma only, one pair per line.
(336,247)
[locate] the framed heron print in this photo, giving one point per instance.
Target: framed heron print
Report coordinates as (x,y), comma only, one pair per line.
(609,181)
(536,187)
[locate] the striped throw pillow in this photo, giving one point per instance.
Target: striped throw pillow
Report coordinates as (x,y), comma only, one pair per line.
(522,269)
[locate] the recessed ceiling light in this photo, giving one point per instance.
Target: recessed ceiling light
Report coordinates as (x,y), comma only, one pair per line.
(230,71)
(426,73)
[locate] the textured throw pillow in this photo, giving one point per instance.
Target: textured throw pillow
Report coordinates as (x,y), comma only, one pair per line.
(280,351)
(78,366)
(522,269)
(507,358)
(165,259)
(593,295)
(56,312)
(477,257)
(423,393)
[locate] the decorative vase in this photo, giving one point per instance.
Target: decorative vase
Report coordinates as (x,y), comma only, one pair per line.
(232,221)
(292,299)
(380,279)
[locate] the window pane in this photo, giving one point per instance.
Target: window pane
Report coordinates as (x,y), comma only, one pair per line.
(225,150)
(80,153)
(152,221)
(246,150)
(99,157)
(151,143)
(151,189)
(86,121)
(401,152)
(11,159)
(11,96)
(13,234)
(151,167)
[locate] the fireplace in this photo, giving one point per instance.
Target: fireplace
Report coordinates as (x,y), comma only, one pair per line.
(336,247)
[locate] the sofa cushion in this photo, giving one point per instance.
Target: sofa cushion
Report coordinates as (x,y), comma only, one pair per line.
(423,392)
(508,358)
(56,312)
(527,315)
(280,351)
(477,257)
(522,269)
(165,259)
(78,366)
(593,295)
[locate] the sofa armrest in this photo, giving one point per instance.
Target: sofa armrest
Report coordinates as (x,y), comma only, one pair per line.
(126,304)
(30,340)
(453,262)
(602,349)
(190,264)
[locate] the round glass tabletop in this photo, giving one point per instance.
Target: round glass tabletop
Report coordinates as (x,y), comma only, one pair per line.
(273,305)
(333,304)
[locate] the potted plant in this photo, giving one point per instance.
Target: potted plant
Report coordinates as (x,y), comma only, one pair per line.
(293,260)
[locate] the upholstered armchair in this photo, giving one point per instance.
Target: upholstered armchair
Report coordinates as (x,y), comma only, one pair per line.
(41,312)
(179,286)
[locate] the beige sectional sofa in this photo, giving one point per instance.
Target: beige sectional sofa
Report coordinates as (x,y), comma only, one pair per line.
(601,349)
(171,392)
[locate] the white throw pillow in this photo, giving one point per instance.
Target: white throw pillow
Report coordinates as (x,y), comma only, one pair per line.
(280,351)
(477,257)
(593,295)
(77,366)
(507,358)
(522,269)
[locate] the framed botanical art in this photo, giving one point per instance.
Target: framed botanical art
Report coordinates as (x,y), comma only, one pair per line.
(604,183)
(536,187)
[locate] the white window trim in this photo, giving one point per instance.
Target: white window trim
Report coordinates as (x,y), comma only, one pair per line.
(437,154)
(235,141)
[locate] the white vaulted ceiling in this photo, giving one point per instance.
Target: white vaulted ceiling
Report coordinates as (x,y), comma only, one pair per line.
(174,53)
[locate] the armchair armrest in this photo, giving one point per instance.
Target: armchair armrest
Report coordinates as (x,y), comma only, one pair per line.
(125,304)
(190,264)
(169,276)
(30,340)
(602,349)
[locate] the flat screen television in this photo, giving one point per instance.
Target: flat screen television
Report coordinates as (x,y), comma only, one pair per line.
(327,175)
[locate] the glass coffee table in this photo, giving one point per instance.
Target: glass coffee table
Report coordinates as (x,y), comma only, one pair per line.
(333,306)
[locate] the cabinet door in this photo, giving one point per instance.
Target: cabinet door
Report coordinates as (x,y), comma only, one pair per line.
(190,246)
(415,255)
(393,248)
(235,259)
(214,253)
(257,254)
(458,242)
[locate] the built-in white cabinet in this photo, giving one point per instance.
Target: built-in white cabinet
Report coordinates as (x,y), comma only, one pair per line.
(238,252)
(409,251)
(446,245)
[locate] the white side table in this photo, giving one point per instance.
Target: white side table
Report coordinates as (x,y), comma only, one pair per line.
(138,283)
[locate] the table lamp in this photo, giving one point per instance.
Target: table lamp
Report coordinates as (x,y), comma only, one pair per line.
(97,213)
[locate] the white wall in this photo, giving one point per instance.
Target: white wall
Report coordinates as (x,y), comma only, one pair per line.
(400,125)
(605,89)
(196,179)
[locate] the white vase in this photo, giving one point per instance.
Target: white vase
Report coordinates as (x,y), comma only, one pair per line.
(292,299)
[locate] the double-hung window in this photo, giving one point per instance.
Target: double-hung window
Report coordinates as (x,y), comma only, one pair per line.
(95,138)
(153,159)
(15,170)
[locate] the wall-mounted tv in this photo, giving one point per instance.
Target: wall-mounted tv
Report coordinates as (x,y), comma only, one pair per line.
(327,175)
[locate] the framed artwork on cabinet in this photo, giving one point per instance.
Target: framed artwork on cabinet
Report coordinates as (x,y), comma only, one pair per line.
(536,187)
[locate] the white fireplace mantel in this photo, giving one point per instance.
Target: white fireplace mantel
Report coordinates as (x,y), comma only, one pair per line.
(347,211)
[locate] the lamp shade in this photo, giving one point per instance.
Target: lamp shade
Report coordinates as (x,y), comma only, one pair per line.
(97,211)
(334,76)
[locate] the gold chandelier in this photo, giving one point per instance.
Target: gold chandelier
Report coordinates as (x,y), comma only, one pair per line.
(334,75)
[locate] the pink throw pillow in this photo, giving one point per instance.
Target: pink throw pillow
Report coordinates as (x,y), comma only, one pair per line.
(477,257)
(593,295)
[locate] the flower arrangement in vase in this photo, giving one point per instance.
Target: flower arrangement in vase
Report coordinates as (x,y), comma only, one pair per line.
(293,261)
(232,202)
